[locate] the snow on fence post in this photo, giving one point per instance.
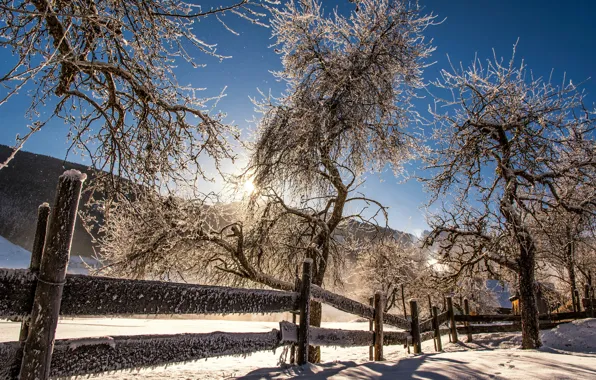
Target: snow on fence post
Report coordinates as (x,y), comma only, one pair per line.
(378,337)
(436,327)
(467,312)
(43,212)
(37,353)
(303,328)
(451,319)
(415,330)
(371,324)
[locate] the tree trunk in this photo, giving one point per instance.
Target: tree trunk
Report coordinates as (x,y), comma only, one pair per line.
(316,314)
(527,296)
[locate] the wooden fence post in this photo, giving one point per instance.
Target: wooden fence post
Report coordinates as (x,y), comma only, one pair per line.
(452,319)
(577,300)
(293,346)
(43,212)
(415,329)
(438,343)
(467,312)
(589,302)
(371,325)
(37,353)
(379,310)
(403,301)
(304,327)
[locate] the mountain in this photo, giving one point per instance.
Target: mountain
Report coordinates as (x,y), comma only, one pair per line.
(31,179)
(28,181)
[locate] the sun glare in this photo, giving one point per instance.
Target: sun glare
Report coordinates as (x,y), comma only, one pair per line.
(249,187)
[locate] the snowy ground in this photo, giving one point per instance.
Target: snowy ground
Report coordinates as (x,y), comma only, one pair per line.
(569,350)
(14,257)
(569,353)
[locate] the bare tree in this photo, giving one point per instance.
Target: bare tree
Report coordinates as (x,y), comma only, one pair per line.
(565,239)
(502,150)
(107,68)
(345,112)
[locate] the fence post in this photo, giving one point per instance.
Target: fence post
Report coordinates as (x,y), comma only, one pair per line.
(43,212)
(467,312)
(589,303)
(577,300)
(379,310)
(438,343)
(371,325)
(452,319)
(37,353)
(415,329)
(293,346)
(303,328)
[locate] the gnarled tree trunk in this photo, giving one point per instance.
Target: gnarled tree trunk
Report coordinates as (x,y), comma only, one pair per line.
(527,296)
(316,315)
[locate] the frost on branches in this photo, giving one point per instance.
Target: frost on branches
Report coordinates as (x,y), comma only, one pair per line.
(506,150)
(108,66)
(345,112)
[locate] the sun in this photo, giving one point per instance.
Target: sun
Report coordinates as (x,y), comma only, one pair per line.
(249,187)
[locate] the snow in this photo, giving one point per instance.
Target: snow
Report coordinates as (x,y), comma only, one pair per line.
(74,175)
(14,257)
(569,352)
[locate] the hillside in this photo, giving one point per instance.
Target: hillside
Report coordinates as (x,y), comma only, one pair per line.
(28,181)
(31,179)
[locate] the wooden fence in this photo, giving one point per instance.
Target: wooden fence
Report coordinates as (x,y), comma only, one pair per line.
(44,292)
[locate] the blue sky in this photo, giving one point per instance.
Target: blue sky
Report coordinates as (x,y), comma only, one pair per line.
(553,34)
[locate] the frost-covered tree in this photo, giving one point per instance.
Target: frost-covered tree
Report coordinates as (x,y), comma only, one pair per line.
(504,148)
(345,111)
(566,242)
(106,68)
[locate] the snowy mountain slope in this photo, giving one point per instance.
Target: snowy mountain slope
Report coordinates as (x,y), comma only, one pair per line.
(14,257)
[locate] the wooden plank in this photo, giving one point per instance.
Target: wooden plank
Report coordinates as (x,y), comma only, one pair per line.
(488,318)
(86,295)
(467,312)
(563,316)
(452,320)
(319,336)
(415,330)
(426,325)
(395,321)
(379,302)
(443,317)
(371,353)
(37,352)
(430,334)
(392,338)
(354,307)
(436,329)
(87,356)
(304,326)
(43,213)
(475,329)
(342,303)
(10,360)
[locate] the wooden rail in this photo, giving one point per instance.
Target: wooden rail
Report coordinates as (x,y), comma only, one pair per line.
(103,296)
(77,357)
